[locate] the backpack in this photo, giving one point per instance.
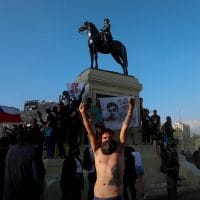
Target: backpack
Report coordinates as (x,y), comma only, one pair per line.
(87,162)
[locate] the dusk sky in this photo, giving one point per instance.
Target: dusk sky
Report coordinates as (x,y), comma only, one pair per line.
(41,49)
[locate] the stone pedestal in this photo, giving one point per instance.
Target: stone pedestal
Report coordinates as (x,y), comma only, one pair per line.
(101,83)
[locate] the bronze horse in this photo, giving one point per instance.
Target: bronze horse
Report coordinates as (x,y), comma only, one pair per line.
(96,44)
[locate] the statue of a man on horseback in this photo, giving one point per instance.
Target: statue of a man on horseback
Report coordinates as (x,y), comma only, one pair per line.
(103,42)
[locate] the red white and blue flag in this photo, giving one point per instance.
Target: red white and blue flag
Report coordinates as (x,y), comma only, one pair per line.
(9,114)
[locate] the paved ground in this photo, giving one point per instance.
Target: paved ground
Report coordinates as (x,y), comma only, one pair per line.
(189,195)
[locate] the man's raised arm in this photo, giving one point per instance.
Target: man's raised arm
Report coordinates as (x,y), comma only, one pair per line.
(126,122)
(91,135)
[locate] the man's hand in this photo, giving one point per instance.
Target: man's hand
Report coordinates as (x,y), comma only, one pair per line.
(131,103)
(126,122)
(82,108)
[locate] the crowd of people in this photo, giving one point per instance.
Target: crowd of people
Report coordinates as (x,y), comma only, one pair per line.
(112,167)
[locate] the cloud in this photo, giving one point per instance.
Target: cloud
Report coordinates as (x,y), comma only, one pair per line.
(194,126)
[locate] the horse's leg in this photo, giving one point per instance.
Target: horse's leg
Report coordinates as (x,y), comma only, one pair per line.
(96,60)
(123,56)
(118,60)
(125,70)
(91,57)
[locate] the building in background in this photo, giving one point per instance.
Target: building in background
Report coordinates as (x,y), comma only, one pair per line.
(183,135)
(196,141)
(31,107)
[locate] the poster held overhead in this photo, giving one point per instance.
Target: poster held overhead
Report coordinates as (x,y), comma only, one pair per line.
(114,110)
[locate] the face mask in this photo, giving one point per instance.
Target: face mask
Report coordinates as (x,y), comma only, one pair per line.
(108,147)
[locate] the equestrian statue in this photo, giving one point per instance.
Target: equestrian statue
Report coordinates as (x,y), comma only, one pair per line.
(103,42)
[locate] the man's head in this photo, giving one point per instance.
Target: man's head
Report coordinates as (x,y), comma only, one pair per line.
(155,112)
(106,134)
(106,20)
(75,151)
(145,112)
(112,108)
(168,119)
(108,143)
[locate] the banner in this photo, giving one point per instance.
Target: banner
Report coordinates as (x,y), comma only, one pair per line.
(114,110)
(75,90)
(9,114)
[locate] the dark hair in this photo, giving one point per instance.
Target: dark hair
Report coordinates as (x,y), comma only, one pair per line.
(106,130)
(89,100)
(110,104)
(4,141)
(168,118)
(25,135)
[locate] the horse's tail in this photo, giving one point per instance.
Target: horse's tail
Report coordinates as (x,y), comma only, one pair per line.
(125,57)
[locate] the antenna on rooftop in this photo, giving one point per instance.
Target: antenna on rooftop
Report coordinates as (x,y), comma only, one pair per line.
(180,115)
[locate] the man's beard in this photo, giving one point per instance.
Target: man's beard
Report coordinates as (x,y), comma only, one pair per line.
(108,147)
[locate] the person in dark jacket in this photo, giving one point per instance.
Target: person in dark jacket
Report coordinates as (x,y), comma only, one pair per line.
(4,146)
(72,176)
(24,170)
(130,175)
(172,171)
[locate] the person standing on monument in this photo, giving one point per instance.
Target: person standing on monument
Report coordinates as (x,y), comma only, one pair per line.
(168,129)
(109,156)
(155,123)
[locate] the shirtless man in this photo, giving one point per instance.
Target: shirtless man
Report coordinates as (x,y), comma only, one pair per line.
(109,157)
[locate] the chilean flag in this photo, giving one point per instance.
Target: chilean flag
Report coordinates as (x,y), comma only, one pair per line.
(9,114)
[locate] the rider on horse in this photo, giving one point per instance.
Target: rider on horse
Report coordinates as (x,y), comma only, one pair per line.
(106,35)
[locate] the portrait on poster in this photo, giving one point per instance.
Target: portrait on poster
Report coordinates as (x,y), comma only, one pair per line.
(114,111)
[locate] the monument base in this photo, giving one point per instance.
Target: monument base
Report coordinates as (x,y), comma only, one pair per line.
(102,83)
